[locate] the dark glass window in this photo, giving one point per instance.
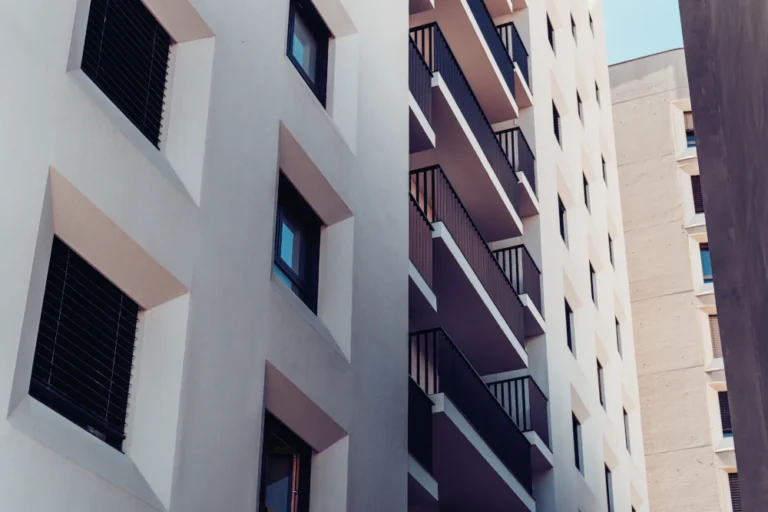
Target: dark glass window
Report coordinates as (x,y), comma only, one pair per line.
(618,337)
(84,352)
(593,283)
(570,332)
(297,243)
(580,107)
(597,93)
(698,197)
(573,30)
(563,220)
(285,469)
(725,413)
(586,190)
(690,134)
(609,489)
(551,33)
(556,122)
(308,39)
(610,249)
(626,431)
(591,24)
(706,263)
(605,169)
(577,444)
(601,384)
(126,55)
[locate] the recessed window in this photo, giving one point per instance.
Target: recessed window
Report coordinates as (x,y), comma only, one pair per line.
(714,332)
(570,331)
(85,343)
(579,107)
(593,283)
(618,338)
(690,134)
(577,451)
(733,484)
(586,190)
(610,250)
(706,262)
(597,93)
(562,214)
(626,431)
(556,123)
(725,413)
(573,30)
(551,33)
(609,489)
(308,39)
(297,243)
(601,384)
(126,55)
(698,197)
(285,469)
(605,169)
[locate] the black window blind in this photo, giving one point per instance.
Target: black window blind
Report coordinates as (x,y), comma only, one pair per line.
(698,198)
(126,56)
(725,412)
(85,344)
(733,483)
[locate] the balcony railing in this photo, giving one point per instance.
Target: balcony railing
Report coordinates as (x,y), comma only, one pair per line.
(438,200)
(420,241)
(514,45)
(438,55)
(519,153)
(525,403)
(438,366)
(522,272)
(419,425)
(420,80)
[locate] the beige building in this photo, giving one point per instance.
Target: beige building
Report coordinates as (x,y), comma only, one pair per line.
(689,447)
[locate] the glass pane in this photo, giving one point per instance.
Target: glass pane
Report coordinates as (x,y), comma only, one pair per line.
(706,265)
(304,47)
(290,245)
(279,481)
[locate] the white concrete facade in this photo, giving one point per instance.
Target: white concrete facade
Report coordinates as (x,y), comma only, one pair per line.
(188,232)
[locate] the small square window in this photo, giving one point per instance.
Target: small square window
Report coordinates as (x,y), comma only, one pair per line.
(556,122)
(308,39)
(551,33)
(285,469)
(297,243)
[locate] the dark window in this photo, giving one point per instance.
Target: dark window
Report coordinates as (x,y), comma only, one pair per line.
(605,169)
(714,332)
(610,250)
(563,220)
(551,33)
(698,198)
(570,332)
(556,121)
(593,283)
(609,489)
(586,190)
(126,56)
(573,30)
(626,431)
(597,93)
(690,134)
(601,384)
(84,352)
(285,469)
(580,107)
(591,24)
(725,413)
(577,444)
(733,483)
(706,262)
(308,38)
(297,243)
(618,337)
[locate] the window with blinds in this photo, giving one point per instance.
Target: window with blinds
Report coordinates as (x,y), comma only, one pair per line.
(714,332)
(725,413)
(733,483)
(698,197)
(126,56)
(85,343)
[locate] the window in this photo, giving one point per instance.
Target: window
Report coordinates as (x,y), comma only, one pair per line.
(618,337)
(126,55)
(551,33)
(690,134)
(580,107)
(570,332)
(563,220)
(556,122)
(610,250)
(626,431)
(698,198)
(597,93)
(706,262)
(591,24)
(577,444)
(308,37)
(593,283)
(714,332)
(725,413)
(573,30)
(285,469)
(586,190)
(733,483)
(297,243)
(605,169)
(601,384)
(85,343)
(609,489)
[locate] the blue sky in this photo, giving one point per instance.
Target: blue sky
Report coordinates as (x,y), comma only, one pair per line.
(636,28)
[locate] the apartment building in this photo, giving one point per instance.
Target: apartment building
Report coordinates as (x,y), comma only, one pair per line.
(689,444)
(523,392)
(204,212)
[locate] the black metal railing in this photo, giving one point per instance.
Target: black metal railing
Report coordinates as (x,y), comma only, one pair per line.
(522,272)
(420,241)
(519,153)
(525,403)
(493,40)
(419,425)
(437,365)
(438,55)
(438,200)
(420,80)
(514,45)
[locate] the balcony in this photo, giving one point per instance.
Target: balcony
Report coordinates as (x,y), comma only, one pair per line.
(525,276)
(422,136)
(422,487)
(523,162)
(422,302)
(468,148)
(482,460)
(515,48)
(474,293)
(528,407)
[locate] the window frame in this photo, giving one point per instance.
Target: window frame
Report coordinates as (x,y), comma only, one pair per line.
(725,413)
(302,459)
(563,219)
(609,488)
(690,131)
(578,452)
(704,248)
(619,346)
(601,384)
(626,430)
(697,194)
(320,32)
(570,328)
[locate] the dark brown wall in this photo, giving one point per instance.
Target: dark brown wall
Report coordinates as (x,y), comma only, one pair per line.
(726,47)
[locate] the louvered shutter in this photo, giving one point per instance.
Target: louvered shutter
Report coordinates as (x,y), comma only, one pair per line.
(126,56)
(714,329)
(698,198)
(725,412)
(733,482)
(85,343)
